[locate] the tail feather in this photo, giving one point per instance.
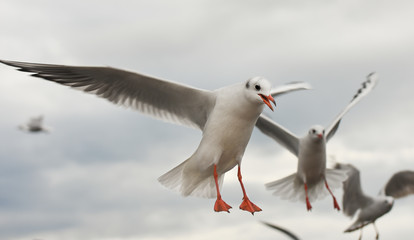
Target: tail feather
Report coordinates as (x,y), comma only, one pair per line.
(336,177)
(292,188)
(172,178)
(191,182)
(286,188)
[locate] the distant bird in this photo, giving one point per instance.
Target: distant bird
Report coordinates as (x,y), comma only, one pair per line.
(281,229)
(312,176)
(226,116)
(35,125)
(368,209)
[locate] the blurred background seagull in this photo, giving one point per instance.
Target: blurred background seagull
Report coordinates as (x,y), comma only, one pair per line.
(35,125)
(366,209)
(312,176)
(226,116)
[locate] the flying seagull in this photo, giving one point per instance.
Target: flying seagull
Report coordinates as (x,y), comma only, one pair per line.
(312,176)
(368,209)
(35,125)
(226,117)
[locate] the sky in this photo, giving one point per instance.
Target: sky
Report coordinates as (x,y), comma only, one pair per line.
(95,175)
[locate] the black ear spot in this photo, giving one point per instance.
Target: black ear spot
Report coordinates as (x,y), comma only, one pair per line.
(247,84)
(257,87)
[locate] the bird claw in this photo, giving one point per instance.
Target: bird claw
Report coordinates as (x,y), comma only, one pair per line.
(336,205)
(221,206)
(247,205)
(308,205)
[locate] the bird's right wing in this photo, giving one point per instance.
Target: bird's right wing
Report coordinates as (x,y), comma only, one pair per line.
(158,98)
(290,87)
(278,133)
(353,197)
(401,184)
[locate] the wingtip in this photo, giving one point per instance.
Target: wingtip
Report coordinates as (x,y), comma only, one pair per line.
(373,77)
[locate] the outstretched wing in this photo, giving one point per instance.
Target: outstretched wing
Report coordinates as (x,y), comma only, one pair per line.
(293,86)
(401,184)
(366,88)
(353,197)
(278,133)
(159,98)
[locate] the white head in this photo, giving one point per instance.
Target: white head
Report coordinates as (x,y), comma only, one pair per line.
(258,89)
(385,203)
(317,132)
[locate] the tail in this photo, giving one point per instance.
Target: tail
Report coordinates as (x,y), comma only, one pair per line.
(335,177)
(191,181)
(357,225)
(292,188)
(287,188)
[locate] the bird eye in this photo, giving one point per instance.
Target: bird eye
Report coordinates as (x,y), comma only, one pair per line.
(313,131)
(257,87)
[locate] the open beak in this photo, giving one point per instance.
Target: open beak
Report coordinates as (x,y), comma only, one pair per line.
(267,100)
(320,136)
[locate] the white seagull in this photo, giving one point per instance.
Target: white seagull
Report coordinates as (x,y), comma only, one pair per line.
(368,209)
(226,116)
(312,176)
(35,125)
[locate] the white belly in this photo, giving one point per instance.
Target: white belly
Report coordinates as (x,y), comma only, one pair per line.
(312,162)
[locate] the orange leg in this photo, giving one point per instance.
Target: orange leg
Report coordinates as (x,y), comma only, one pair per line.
(308,205)
(220,205)
(336,205)
(246,205)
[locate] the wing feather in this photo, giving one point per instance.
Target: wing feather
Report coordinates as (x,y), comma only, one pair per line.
(161,99)
(283,136)
(293,86)
(353,197)
(366,88)
(401,184)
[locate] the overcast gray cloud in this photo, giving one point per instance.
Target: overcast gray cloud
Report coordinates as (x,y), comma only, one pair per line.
(94,176)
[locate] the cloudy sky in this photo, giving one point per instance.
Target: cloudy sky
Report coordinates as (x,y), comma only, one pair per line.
(95,176)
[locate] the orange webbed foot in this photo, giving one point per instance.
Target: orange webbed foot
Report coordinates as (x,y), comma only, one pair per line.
(308,205)
(247,205)
(336,205)
(221,206)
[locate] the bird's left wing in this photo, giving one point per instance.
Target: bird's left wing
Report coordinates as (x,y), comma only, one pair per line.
(283,136)
(290,87)
(158,98)
(366,88)
(353,197)
(401,184)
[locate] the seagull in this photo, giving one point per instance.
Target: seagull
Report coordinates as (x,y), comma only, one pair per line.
(35,125)
(281,229)
(368,209)
(226,117)
(308,182)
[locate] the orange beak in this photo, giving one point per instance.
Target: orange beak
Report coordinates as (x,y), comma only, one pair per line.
(267,100)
